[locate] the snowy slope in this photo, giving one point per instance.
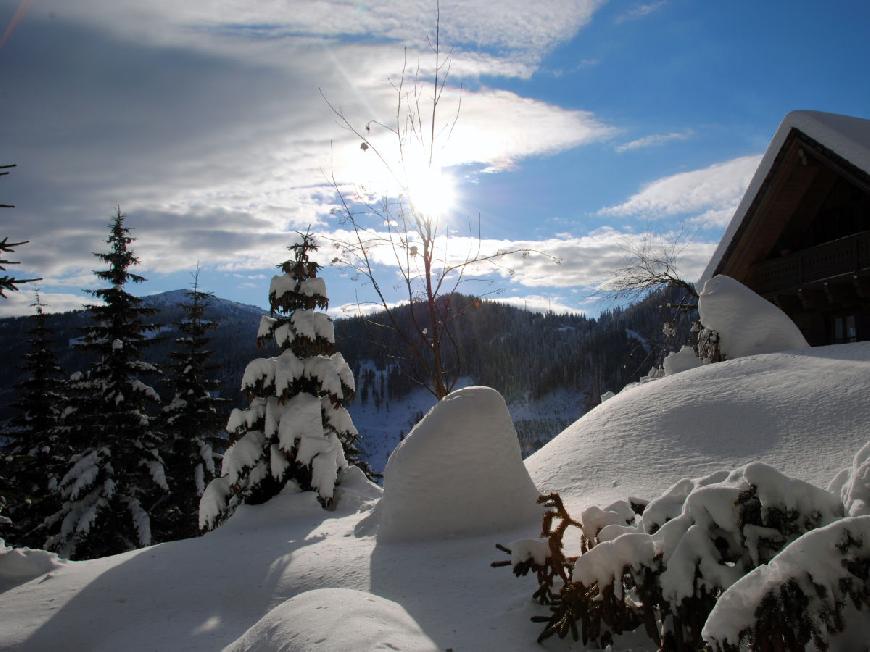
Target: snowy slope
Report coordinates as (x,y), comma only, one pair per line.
(805,413)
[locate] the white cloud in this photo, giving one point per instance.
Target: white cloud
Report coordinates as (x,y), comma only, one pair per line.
(219,157)
(641,10)
(718,187)
(517,29)
(19,303)
(538,303)
(588,261)
(654,140)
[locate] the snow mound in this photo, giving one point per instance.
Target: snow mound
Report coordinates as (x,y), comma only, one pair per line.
(746,322)
(681,360)
(803,412)
(334,619)
(459,471)
(20,565)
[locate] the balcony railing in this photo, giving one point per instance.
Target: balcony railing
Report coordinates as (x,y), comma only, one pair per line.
(836,258)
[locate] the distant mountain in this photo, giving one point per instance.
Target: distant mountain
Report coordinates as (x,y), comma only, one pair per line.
(551,368)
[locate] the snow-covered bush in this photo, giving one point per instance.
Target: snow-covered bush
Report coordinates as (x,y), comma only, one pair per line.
(807,595)
(745,322)
(852,484)
(666,569)
(296,426)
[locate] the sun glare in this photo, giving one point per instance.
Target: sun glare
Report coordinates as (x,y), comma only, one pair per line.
(432,191)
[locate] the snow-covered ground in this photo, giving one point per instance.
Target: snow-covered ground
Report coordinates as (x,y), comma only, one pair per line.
(805,412)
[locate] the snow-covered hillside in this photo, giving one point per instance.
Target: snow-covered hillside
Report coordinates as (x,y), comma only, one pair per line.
(804,412)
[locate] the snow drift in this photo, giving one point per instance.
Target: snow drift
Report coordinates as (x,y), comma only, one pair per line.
(459,471)
(334,619)
(746,322)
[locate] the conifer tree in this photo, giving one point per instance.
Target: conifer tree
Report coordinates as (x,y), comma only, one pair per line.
(34,459)
(296,428)
(191,421)
(116,472)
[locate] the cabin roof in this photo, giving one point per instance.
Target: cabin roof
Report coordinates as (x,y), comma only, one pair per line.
(846,136)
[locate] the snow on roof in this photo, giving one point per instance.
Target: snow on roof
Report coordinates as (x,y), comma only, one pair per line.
(846,136)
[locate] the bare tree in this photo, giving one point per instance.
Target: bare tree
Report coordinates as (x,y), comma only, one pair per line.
(653,265)
(410,234)
(10,283)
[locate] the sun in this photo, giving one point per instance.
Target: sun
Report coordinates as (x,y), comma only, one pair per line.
(431,191)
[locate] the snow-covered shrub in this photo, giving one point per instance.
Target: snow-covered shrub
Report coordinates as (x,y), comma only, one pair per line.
(745,322)
(852,484)
(815,592)
(666,570)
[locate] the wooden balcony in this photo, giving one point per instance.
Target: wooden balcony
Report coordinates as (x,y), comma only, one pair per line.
(838,258)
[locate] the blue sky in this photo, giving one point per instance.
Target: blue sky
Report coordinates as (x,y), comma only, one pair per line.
(585,127)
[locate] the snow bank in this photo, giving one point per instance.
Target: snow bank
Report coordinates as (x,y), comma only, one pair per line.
(20,565)
(746,322)
(334,619)
(681,360)
(459,471)
(804,412)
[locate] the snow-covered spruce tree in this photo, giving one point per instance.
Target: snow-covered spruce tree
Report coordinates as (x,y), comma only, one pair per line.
(191,422)
(116,474)
(296,428)
(33,460)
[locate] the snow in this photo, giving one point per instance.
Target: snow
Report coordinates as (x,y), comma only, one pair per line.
(847,136)
(300,419)
(854,488)
(681,360)
(334,619)
(459,471)
(312,325)
(309,287)
(746,322)
(313,287)
(246,451)
(20,565)
(260,370)
(522,550)
(288,369)
(804,412)
(267,325)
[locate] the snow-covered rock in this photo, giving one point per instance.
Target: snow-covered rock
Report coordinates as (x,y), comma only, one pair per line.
(334,619)
(804,412)
(681,360)
(746,322)
(459,471)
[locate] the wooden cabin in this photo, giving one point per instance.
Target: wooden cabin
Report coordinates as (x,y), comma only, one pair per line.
(801,235)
